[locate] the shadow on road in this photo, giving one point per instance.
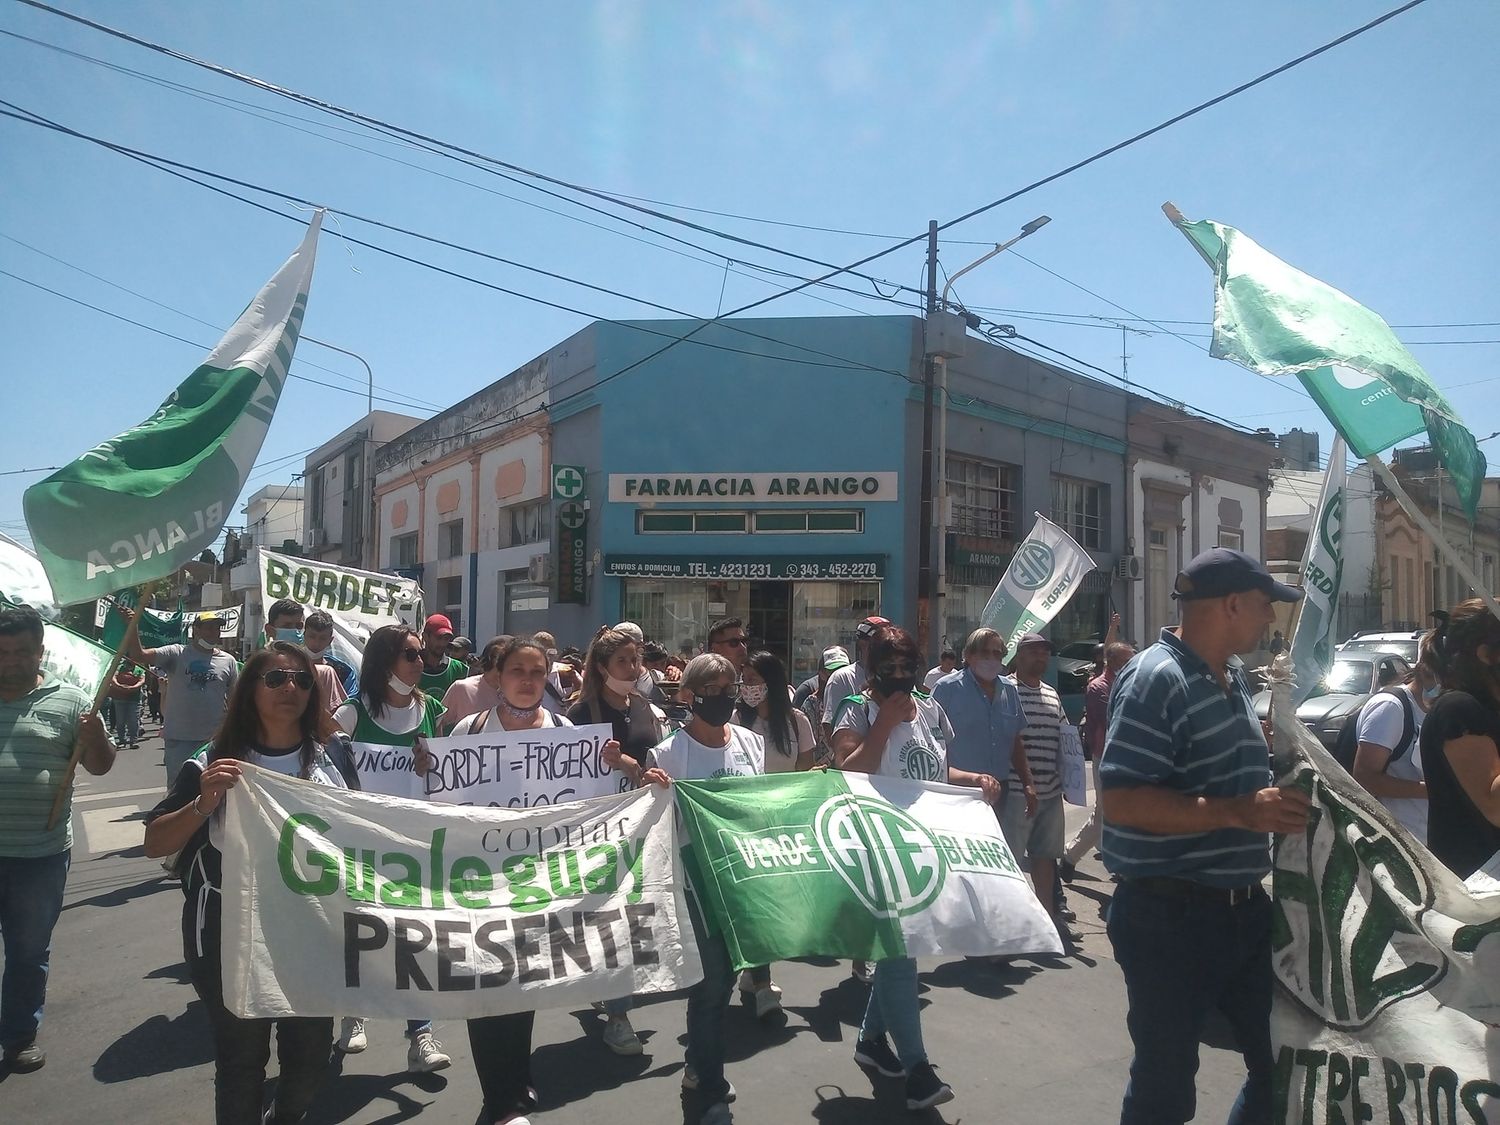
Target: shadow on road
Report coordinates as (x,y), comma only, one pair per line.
(886,1102)
(158,1046)
(121,895)
(344,1095)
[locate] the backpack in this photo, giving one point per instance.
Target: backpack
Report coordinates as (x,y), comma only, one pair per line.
(1347,744)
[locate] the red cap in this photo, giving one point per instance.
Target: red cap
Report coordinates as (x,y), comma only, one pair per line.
(438,626)
(869,625)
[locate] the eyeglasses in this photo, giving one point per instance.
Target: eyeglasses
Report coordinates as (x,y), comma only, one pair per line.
(411,654)
(737,642)
(278,678)
(712,690)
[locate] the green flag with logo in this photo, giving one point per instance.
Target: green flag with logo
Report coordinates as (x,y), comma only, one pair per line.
(136,507)
(157,628)
(1277,320)
(850,865)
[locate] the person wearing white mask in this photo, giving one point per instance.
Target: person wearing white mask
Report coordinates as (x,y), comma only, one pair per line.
(392,711)
(985,710)
(317,638)
(645,684)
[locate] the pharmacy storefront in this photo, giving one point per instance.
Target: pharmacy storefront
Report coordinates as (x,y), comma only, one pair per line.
(792,555)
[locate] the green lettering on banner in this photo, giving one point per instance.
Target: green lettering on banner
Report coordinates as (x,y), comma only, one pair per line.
(349,595)
(276,579)
(325,883)
(328,593)
(303,585)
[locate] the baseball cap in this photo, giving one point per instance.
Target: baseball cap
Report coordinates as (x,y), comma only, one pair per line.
(1032,639)
(1221,571)
(463,643)
(869,625)
(438,626)
(835,657)
(631,630)
(208,619)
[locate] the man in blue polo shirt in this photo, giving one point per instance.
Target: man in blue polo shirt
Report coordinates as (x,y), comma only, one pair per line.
(985,710)
(1187,805)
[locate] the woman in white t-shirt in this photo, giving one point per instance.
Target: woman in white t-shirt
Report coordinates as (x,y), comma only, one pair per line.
(894,732)
(1388,765)
(709,746)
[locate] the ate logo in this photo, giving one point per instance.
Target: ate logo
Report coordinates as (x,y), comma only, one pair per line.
(1346,933)
(1033,565)
(919,763)
(889,860)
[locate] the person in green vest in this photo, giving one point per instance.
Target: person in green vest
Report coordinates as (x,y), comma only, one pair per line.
(439,669)
(384,723)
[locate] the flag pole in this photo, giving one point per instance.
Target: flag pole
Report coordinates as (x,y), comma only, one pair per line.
(67,779)
(1445,548)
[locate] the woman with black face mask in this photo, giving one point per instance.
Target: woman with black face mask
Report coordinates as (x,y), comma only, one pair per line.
(895,731)
(709,746)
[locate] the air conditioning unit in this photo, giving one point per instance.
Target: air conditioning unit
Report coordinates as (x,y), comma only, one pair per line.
(1132,568)
(538,568)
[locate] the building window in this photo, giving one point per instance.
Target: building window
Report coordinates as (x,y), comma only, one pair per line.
(652,522)
(1078,508)
(982,497)
(521,594)
(816,521)
(450,539)
(450,595)
(404,550)
(523,523)
(315,503)
(1232,537)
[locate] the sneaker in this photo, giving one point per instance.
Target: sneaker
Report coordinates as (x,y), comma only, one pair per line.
(924,1089)
(690,1082)
(352,1035)
(425,1054)
(716,1114)
(1065,912)
(767,1001)
(24,1058)
(863,971)
(746,983)
(1066,870)
(620,1037)
(877,1055)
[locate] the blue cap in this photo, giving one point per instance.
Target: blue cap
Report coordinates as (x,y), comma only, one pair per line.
(1221,571)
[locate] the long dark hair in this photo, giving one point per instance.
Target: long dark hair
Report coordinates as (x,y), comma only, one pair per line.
(241,723)
(602,649)
(514,645)
(779,723)
(1455,650)
(382,651)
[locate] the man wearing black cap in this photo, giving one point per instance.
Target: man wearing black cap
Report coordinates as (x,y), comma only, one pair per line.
(1187,804)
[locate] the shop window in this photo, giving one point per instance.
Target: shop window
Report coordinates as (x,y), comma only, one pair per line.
(821,520)
(404,550)
(521,594)
(1078,508)
(649,522)
(982,497)
(450,539)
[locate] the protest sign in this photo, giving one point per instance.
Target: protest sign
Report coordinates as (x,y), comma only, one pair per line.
(857,866)
(348,902)
(522,769)
(361,599)
(1387,966)
(1072,765)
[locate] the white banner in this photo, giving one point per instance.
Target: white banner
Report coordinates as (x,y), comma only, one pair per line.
(1322,580)
(1387,966)
(522,769)
(361,599)
(1042,577)
(338,902)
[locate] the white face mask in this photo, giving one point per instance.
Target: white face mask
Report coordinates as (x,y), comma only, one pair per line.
(753,694)
(619,687)
(400,686)
(988,669)
(316,653)
(206,646)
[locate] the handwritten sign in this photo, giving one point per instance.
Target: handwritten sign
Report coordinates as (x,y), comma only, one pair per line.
(522,769)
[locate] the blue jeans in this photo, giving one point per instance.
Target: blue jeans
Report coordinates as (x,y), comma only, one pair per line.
(176,752)
(127,720)
(1182,958)
(708,1005)
(31,896)
(894,1008)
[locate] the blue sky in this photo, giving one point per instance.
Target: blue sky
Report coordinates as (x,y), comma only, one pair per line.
(1372,167)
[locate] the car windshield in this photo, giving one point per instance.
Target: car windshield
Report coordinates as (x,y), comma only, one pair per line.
(1407,648)
(1348,677)
(1078,650)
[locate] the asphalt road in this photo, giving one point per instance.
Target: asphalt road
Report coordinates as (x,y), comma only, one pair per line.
(127,1040)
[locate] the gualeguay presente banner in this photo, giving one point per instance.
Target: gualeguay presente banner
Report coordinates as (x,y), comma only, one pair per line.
(338,902)
(1387,1001)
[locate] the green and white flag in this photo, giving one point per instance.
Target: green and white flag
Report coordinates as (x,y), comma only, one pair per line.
(1276,320)
(838,864)
(1322,581)
(71,658)
(136,507)
(1042,577)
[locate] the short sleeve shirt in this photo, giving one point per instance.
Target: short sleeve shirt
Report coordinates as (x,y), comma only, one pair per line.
(1457,832)
(684,758)
(1042,738)
(201,682)
(984,728)
(468,697)
(37,733)
(1173,725)
(916,750)
(799,741)
(436,684)
(1382,721)
(848,680)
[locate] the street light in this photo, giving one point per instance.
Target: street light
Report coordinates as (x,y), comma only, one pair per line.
(940,517)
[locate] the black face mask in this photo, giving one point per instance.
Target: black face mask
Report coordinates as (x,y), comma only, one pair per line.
(895,685)
(714,710)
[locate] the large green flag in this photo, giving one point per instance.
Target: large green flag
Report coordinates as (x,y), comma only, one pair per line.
(837,864)
(157,629)
(1277,320)
(138,506)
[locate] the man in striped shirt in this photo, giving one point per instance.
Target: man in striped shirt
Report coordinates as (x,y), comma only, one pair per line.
(1187,804)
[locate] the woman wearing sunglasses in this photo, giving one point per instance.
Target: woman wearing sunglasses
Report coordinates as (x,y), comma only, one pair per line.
(392,713)
(271,720)
(709,746)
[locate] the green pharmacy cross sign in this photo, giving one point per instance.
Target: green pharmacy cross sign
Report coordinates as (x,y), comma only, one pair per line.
(572,553)
(568,482)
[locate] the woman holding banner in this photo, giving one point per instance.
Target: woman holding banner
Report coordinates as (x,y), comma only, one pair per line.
(501,1045)
(272,721)
(389,716)
(893,733)
(1460,740)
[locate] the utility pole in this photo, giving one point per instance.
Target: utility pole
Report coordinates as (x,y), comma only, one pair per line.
(924,516)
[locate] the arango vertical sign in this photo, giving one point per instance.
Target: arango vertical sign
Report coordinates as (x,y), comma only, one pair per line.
(572,553)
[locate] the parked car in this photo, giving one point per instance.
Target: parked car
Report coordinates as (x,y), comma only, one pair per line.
(1075,666)
(1404,643)
(1352,680)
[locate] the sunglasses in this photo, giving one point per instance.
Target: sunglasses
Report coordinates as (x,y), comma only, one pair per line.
(411,655)
(277,678)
